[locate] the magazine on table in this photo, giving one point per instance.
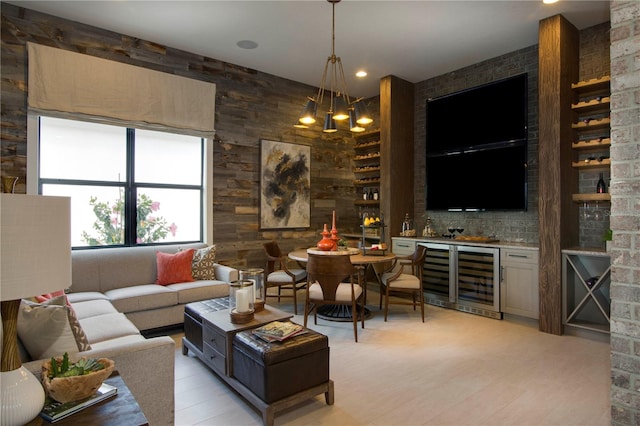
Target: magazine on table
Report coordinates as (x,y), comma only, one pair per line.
(54,410)
(277,331)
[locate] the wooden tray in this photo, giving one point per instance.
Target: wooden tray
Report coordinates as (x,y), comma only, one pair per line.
(473,239)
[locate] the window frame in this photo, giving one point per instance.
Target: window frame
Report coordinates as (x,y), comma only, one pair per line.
(35,182)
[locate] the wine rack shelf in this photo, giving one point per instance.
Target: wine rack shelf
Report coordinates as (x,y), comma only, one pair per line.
(595,85)
(592,164)
(594,124)
(366,202)
(591,133)
(367,182)
(581,198)
(597,144)
(586,283)
(592,105)
(367,168)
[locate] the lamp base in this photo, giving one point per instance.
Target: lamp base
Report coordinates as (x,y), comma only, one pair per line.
(22,397)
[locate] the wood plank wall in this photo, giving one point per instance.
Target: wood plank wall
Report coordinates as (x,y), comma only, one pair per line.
(250,105)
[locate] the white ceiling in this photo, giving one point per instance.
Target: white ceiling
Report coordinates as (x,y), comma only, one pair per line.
(414,40)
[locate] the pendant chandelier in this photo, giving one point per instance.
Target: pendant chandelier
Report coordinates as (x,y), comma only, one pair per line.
(341,107)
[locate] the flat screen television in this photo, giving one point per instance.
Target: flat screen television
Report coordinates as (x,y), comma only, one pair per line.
(476,156)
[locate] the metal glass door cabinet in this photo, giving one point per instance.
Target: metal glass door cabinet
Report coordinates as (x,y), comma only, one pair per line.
(462,277)
(478,273)
(438,275)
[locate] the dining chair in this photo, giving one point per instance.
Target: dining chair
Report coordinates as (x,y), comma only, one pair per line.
(330,281)
(404,276)
(279,274)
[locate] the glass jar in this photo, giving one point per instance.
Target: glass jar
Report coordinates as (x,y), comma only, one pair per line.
(241,301)
(256,276)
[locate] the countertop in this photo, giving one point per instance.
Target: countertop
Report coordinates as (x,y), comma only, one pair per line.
(500,244)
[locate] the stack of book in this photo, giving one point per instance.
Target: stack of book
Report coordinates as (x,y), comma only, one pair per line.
(54,411)
(277,331)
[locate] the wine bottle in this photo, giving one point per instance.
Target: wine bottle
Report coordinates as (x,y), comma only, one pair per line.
(370,194)
(601,187)
(376,195)
(364,193)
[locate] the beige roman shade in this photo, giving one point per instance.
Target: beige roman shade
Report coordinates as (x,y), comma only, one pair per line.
(64,83)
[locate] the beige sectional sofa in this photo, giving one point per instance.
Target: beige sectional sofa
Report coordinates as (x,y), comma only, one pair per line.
(126,276)
(114,296)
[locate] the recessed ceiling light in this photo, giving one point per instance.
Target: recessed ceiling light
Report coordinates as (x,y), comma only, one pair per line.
(247,44)
(549,1)
(361,73)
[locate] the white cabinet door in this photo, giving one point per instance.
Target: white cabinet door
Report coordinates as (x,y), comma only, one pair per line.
(403,246)
(519,282)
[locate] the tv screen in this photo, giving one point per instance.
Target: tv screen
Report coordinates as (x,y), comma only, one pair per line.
(492,113)
(490,179)
(477,148)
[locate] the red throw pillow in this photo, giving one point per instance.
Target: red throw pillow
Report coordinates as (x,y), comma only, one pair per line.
(49,296)
(174,268)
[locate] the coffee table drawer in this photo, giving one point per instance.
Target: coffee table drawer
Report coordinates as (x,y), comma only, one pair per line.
(215,338)
(215,359)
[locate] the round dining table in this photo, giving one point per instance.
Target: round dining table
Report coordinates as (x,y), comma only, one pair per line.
(375,261)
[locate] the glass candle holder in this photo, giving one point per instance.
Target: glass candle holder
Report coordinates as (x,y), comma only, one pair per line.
(241,301)
(256,276)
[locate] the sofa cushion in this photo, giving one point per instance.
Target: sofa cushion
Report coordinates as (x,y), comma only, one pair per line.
(118,342)
(203,263)
(84,296)
(174,268)
(199,290)
(142,297)
(101,328)
(92,308)
(50,328)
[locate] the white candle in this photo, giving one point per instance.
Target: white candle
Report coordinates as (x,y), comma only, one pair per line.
(254,296)
(242,300)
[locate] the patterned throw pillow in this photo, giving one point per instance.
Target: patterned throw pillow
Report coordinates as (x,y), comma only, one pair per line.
(203,261)
(50,329)
(174,268)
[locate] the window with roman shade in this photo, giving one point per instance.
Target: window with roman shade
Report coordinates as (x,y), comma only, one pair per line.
(66,85)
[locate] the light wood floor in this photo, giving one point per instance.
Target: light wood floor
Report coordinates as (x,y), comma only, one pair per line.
(453,369)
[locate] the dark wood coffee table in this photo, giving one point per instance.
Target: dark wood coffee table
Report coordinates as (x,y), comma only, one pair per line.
(217,352)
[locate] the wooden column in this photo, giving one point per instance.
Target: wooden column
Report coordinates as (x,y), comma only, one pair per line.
(396,152)
(558,215)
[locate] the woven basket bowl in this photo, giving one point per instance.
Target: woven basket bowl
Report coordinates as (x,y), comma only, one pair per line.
(75,388)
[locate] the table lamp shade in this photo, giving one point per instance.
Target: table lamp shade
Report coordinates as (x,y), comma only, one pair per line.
(35,258)
(35,245)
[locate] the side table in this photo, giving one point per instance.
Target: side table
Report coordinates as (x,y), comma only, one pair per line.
(118,410)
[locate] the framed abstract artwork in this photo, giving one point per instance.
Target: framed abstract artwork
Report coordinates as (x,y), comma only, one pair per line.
(285,185)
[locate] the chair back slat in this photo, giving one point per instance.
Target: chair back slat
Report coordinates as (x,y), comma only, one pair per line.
(329,271)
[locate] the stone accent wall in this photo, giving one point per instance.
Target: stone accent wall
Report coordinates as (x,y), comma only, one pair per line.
(509,226)
(250,105)
(625,221)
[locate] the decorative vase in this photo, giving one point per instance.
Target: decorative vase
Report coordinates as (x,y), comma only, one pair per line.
(326,243)
(334,233)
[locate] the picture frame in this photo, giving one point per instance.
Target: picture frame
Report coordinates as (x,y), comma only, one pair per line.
(285,185)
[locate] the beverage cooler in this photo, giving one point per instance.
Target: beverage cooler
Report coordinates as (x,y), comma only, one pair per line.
(466,278)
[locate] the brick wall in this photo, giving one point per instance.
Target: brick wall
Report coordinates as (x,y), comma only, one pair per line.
(511,226)
(625,221)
